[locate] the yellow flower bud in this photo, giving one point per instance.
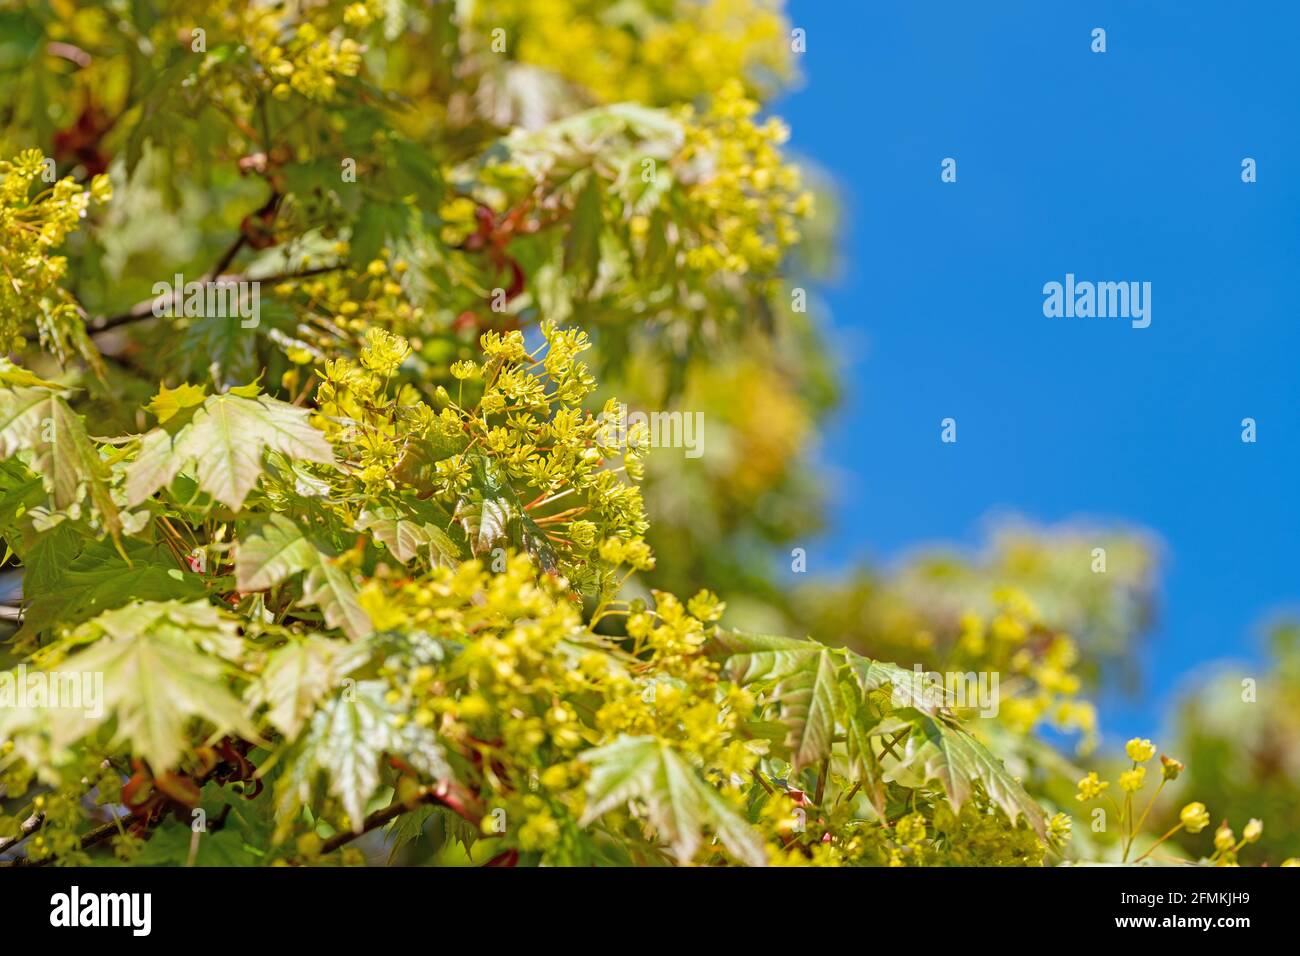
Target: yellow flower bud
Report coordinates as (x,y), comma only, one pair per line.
(1140,750)
(1131,781)
(1195,817)
(1090,787)
(1224,837)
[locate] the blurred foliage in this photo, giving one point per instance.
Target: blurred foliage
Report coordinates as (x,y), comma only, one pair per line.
(1239,728)
(1095,583)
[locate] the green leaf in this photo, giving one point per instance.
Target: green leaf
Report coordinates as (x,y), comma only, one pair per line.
(171,844)
(20,491)
(345,742)
(406,829)
(271,552)
(679,803)
(277,549)
(582,244)
(156,666)
(11,374)
(157,119)
(493,516)
(223,442)
(99,579)
(301,674)
(379,223)
(859,728)
(753,657)
(439,824)
(809,706)
(408,536)
(907,688)
(957,760)
(39,421)
(806,688)
(330,588)
(617,134)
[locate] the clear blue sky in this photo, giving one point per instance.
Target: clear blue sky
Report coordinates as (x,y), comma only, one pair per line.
(1117,166)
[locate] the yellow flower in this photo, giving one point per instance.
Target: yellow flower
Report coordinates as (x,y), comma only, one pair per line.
(1224,837)
(706,607)
(1140,750)
(1170,768)
(1131,781)
(101,188)
(383,352)
(555,777)
(910,830)
(538,832)
(1091,787)
(1195,817)
(1254,829)
(357,16)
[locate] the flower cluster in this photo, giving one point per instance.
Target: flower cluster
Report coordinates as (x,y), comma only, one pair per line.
(649,53)
(1038,661)
(61,809)
(528,687)
(935,834)
(513,455)
(310,58)
(1193,818)
(738,182)
(37,213)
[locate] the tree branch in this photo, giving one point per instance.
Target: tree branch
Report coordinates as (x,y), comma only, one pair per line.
(447,794)
(226,259)
(30,826)
(145,309)
(92,838)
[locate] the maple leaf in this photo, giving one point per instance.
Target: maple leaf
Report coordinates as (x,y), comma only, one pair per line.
(299,676)
(154,666)
(347,738)
(37,420)
(222,442)
(679,803)
(277,549)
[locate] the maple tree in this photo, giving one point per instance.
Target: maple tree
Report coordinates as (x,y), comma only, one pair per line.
(374,557)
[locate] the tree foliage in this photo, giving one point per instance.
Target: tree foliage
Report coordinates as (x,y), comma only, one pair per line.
(379,554)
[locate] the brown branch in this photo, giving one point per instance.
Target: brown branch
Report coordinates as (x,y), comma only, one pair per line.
(93,838)
(69,52)
(226,259)
(30,826)
(454,798)
(144,310)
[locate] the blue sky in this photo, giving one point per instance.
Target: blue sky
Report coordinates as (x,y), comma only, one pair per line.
(1115,166)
